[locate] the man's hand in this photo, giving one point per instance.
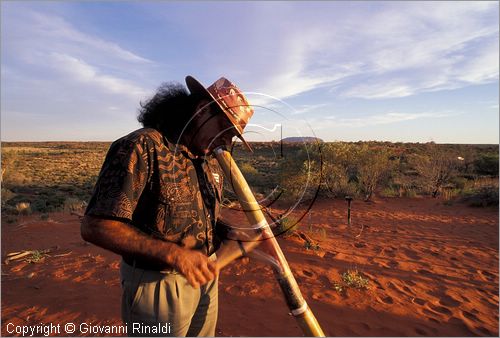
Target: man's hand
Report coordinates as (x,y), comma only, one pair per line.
(195,266)
(124,239)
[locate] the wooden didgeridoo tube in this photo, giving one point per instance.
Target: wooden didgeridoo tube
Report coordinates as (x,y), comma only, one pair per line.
(296,303)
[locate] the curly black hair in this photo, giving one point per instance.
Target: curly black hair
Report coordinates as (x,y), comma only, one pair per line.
(168,110)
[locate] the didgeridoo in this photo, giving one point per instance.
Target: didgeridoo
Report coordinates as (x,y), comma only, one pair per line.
(296,303)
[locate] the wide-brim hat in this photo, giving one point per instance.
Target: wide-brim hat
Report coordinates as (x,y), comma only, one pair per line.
(229,99)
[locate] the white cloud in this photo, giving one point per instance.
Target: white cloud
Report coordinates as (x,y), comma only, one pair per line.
(307,108)
(391,50)
(427,47)
(46,48)
(58,80)
(80,71)
(385,118)
(45,33)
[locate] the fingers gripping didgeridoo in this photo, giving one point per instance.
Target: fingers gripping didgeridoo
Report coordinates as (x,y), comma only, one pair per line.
(298,306)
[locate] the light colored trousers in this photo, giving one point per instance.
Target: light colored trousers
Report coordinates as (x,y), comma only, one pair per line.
(153,299)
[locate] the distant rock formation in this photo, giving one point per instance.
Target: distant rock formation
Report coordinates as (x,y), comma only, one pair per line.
(306,139)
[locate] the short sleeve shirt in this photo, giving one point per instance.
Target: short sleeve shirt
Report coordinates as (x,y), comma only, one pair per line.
(161,189)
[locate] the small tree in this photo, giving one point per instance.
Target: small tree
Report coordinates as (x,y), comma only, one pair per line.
(436,167)
(339,168)
(372,164)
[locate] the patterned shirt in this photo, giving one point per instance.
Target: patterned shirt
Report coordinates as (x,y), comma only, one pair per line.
(161,189)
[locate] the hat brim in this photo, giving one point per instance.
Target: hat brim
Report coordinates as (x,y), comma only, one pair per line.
(195,87)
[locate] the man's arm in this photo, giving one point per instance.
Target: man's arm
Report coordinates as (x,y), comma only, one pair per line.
(123,239)
(236,243)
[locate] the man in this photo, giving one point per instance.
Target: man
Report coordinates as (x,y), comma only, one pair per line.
(156,203)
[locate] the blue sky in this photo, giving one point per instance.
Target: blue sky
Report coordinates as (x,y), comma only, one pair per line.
(349,71)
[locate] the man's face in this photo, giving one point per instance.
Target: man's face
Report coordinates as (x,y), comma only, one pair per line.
(208,129)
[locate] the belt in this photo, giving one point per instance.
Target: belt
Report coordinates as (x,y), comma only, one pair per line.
(149,265)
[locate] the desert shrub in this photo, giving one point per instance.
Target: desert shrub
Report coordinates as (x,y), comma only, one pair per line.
(459,182)
(286,226)
(411,193)
(73,204)
(300,178)
(48,203)
(40,205)
(11,219)
(487,164)
(247,169)
(354,279)
(7,195)
(481,197)
(23,208)
(435,168)
(390,191)
(339,169)
(449,192)
(372,164)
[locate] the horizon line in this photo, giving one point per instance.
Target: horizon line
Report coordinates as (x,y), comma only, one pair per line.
(239,142)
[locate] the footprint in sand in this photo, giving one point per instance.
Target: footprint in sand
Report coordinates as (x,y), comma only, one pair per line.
(398,289)
(440,309)
(386,300)
(447,300)
(308,273)
(389,253)
(411,254)
(430,313)
(375,281)
(386,265)
(408,290)
(326,282)
(329,255)
(423,272)
(418,301)
(469,315)
(486,276)
(465,299)
(393,264)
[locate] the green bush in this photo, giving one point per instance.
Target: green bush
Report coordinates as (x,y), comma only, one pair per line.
(247,169)
(487,164)
(459,182)
(390,192)
(73,204)
(354,279)
(286,226)
(482,197)
(7,195)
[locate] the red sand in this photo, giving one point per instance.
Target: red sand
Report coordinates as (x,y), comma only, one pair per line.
(433,271)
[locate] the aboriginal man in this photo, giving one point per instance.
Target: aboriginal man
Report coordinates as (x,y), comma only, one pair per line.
(157,202)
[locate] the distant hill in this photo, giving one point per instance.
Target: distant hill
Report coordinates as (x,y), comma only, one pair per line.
(307,139)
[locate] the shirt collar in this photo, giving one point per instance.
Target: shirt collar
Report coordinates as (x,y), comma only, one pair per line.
(177,148)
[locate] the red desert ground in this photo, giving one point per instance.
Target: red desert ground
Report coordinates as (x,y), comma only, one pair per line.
(432,271)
